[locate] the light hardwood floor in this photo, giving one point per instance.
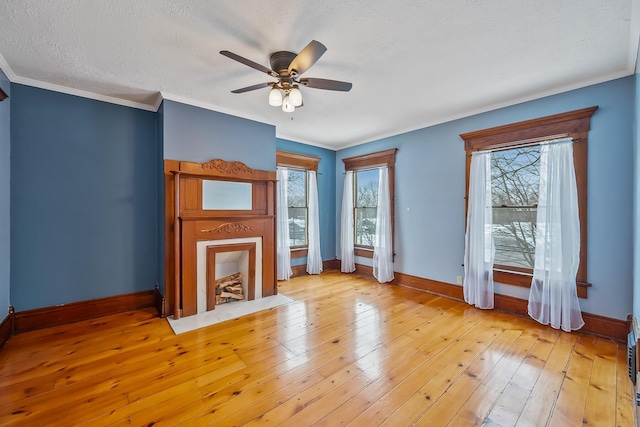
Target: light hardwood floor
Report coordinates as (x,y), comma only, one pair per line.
(348,351)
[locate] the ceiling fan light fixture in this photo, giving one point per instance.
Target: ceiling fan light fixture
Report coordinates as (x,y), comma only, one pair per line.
(275,97)
(287,105)
(288,67)
(295,96)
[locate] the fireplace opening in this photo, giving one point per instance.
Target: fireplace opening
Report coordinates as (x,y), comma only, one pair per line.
(230,280)
(231,273)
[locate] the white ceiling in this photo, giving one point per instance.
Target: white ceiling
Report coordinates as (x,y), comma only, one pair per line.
(413,63)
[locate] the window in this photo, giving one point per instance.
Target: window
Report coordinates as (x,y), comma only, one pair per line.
(515,179)
(297,197)
(297,201)
(365,193)
(365,206)
(514,173)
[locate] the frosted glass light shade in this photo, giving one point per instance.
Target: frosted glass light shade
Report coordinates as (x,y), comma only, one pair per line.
(275,97)
(295,96)
(287,105)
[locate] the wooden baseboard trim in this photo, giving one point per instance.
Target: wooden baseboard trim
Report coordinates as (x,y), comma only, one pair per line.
(159,302)
(301,270)
(45,317)
(433,286)
(593,323)
(331,264)
(606,326)
(6,327)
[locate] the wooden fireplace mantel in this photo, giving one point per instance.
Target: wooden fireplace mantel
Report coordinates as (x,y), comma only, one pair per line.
(186,223)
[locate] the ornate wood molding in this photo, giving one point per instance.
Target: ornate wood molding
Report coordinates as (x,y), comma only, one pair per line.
(225,169)
(295,160)
(187,223)
(229,227)
(232,168)
(371,160)
(572,124)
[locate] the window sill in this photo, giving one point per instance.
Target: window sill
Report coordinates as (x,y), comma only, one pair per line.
(299,252)
(363,252)
(524,280)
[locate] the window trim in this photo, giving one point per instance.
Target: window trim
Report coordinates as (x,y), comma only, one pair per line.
(300,162)
(572,124)
(371,161)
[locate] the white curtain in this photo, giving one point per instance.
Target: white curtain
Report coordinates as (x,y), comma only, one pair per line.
(479,248)
(383,248)
(282,223)
(553,298)
(314,257)
(348,264)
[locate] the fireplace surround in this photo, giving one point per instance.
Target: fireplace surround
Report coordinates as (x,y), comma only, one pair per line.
(197,215)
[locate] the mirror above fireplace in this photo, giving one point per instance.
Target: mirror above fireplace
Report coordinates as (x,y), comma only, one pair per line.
(226,196)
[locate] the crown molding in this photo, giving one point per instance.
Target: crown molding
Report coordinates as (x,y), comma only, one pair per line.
(7,69)
(630,69)
(14,78)
(158,101)
(304,141)
(491,107)
(211,107)
(83,93)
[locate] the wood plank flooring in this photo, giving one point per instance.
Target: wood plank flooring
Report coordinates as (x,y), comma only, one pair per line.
(348,351)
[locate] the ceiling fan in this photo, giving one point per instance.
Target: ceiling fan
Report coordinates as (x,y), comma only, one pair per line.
(287,67)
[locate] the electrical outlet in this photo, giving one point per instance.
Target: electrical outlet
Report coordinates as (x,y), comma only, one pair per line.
(459,280)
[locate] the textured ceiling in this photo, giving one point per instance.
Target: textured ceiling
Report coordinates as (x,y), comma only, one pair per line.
(412,63)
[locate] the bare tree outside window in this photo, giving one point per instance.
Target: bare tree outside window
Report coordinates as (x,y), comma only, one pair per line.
(515,176)
(297,201)
(366,206)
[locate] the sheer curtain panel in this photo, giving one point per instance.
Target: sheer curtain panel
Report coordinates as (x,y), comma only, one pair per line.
(479,248)
(282,222)
(383,249)
(553,298)
(348,264)
(314,257)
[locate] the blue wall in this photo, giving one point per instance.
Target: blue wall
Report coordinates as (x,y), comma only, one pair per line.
(326,194)
(199,135)
(86,192)
(430,173)
(636,195)
(83,199)
(5,196)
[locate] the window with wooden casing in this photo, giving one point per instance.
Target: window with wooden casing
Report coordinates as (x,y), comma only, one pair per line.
(365,193)
(514,167)
(297,198)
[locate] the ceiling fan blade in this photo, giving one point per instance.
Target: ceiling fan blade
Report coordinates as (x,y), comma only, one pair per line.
(249,63)
(307,57)
(326,84)
(250,88)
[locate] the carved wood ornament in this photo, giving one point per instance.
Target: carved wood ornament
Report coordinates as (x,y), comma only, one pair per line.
(229,227)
